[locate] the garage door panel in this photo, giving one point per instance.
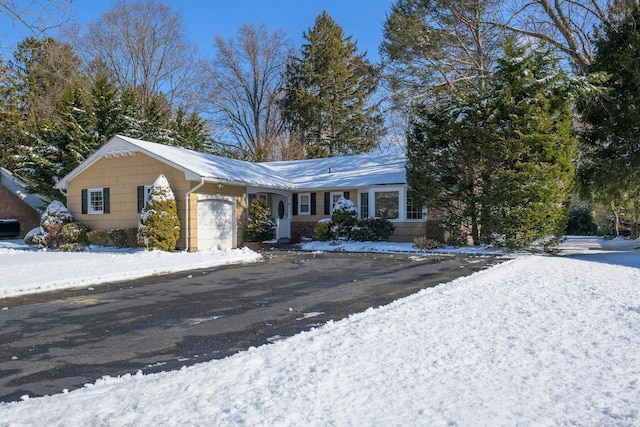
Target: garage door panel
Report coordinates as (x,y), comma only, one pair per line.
(216,225)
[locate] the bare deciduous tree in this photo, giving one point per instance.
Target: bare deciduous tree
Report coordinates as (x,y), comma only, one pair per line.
(564,24)
(144,45)
(240,89)
(36,16)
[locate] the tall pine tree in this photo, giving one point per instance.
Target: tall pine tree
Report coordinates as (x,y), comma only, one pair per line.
(610,138)
(533,149)
(498,163)
(328,94)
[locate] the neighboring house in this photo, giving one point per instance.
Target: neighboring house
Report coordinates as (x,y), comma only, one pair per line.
(109,190)
(16,205)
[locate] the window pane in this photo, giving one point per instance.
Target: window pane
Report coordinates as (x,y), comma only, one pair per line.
(387,204)
(304,203)
(413,212)
(95,201)
(364,205)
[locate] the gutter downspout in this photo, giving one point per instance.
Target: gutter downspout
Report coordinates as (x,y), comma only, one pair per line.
(186,211)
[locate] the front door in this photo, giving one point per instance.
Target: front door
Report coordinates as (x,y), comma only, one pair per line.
(280,212)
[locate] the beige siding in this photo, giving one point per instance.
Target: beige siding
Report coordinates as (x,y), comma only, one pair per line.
(353,196)
(122,175)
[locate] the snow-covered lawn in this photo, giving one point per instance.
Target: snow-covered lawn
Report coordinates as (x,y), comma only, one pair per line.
(24,269)
(536,340)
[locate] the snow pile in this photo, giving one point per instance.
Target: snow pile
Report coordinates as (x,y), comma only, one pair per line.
(533,341)
(58,270)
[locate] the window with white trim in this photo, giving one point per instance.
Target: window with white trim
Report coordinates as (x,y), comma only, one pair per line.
(304,203)
(147,193)
(364,205)
(413,211)
(387,204)
(95,198)
(335,196)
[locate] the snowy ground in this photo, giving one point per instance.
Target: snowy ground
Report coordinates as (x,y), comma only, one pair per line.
(537,340)
(24,269)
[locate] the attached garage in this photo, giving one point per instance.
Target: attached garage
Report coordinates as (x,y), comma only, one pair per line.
(216,222)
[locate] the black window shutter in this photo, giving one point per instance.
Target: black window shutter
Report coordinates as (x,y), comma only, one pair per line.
(140,198)
(85,201)
(295,203)
(327,203)
(105,201)
(313,203)
(346,195)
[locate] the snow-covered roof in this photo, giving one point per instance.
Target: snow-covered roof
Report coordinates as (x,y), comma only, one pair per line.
(344,172)
(19,188)
(331,173)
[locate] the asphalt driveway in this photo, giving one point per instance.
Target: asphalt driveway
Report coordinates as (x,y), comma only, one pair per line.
(62,340)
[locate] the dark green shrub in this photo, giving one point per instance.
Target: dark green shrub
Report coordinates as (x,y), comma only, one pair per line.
(360,234)
(132,238)
(322,231)
(100,238)
(159,227)
(261,225)
(119,237)
(75,233)
(581,222)
(373,230)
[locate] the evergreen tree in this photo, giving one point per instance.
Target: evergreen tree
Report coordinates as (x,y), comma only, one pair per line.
(42,68)
(11,123)
(533,149)
(41,162)
(446,160)
(610,141)
(261,225)
(107,113)
(498,163)
(132,116)
(328,93)
(436,44)
(74,133)
(190,131)
(159,226)
(156,124)
(64,141)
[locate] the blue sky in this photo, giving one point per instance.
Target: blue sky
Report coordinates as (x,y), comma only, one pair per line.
(361,19)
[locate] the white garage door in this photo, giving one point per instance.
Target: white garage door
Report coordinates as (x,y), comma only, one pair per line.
(216,223)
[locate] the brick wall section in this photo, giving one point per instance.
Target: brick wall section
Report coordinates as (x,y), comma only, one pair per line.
(302,229)
(12,206)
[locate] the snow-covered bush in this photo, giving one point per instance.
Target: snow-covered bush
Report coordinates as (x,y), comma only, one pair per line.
(29,237)
(159,226)
(53,219)
(344,225)
(261,225)
(343,218)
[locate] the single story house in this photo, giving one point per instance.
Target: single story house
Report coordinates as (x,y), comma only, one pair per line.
(19,211)
(109,189)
